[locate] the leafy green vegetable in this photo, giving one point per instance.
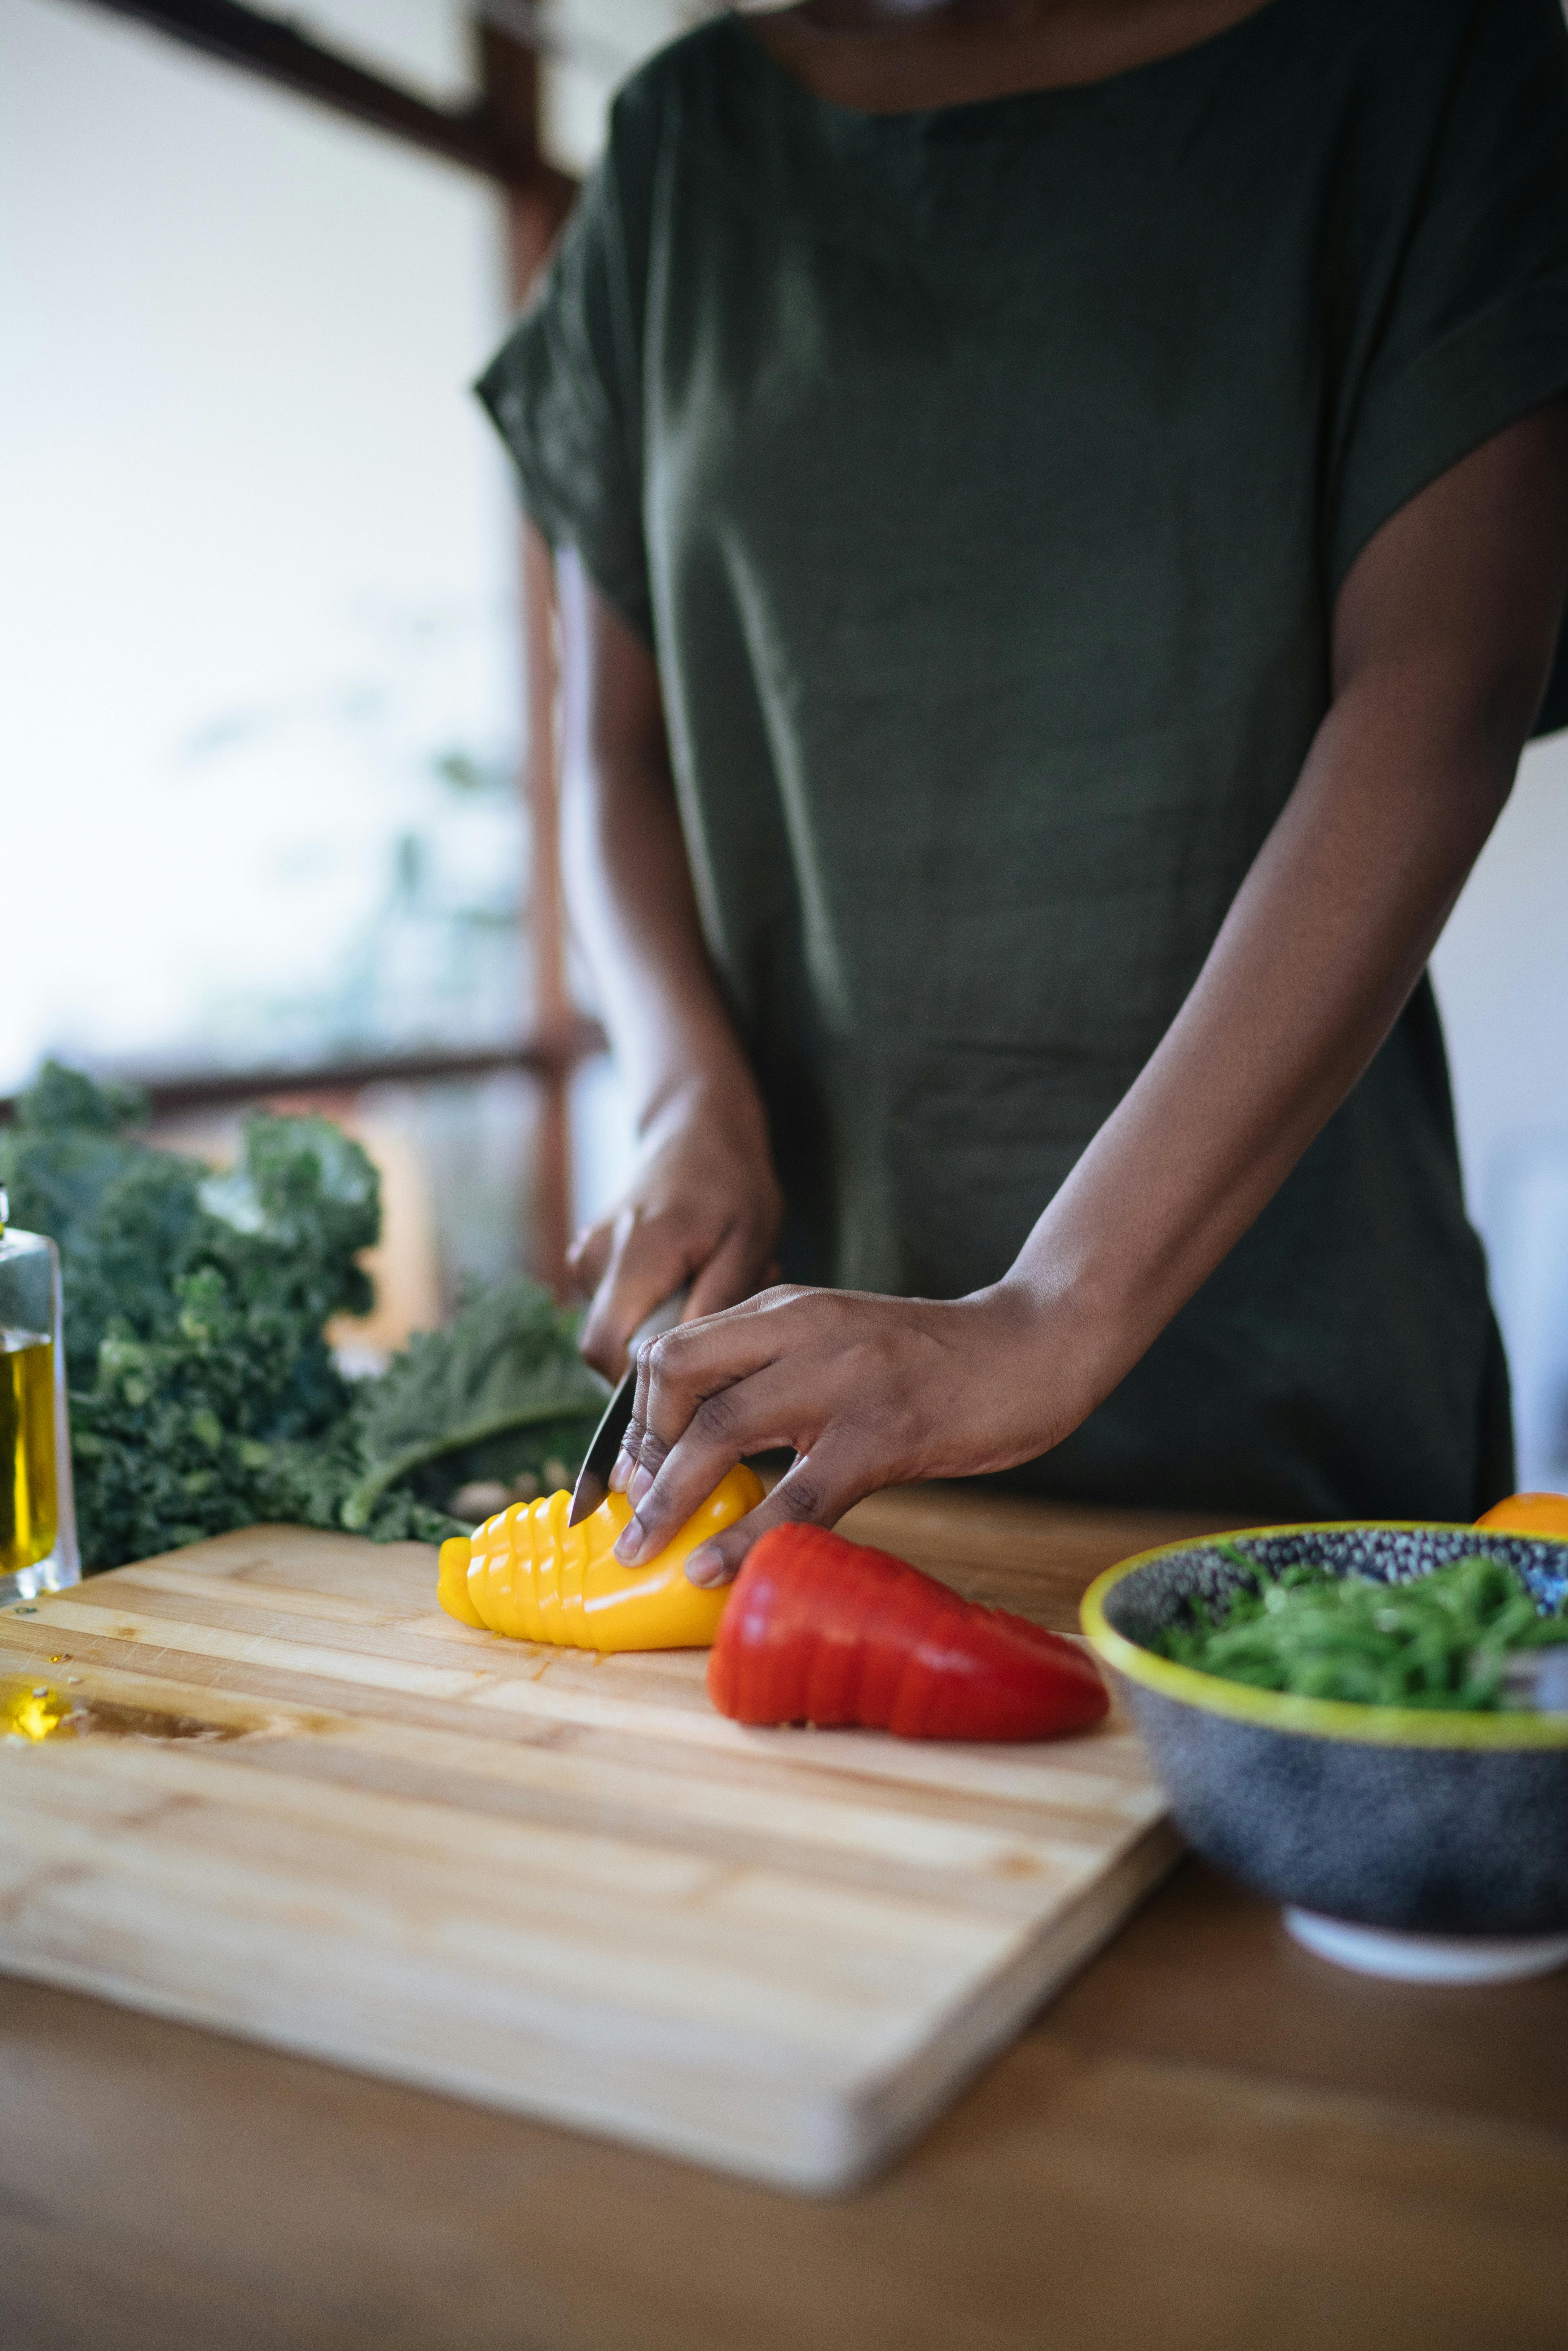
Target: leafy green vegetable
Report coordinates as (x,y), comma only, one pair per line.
(510,1363)
(204,1394)
(1440,1640)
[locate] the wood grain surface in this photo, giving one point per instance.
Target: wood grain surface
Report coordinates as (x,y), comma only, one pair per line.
(1036,1558)
(303,1804)
(1209,2141)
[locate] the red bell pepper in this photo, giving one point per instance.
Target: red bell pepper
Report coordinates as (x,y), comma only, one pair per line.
(825,1631)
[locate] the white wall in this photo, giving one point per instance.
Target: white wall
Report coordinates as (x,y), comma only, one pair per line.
(259,547)
(1501,974)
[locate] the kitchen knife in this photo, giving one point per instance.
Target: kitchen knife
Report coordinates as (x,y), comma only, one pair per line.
(593,1478)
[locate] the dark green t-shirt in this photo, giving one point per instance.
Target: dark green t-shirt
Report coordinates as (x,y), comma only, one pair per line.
(982,478)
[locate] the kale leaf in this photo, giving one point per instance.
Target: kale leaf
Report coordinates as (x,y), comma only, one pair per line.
(507,1368)
(203,1394)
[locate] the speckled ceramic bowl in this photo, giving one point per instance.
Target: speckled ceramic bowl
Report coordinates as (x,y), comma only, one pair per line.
(1430,1824)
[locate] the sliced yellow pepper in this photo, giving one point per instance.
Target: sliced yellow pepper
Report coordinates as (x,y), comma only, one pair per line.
(529,1575)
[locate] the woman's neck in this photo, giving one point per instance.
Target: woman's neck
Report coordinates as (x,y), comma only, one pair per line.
(897,57)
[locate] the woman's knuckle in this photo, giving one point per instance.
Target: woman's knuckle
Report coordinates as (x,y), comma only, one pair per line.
(804,1494)
(717,1417)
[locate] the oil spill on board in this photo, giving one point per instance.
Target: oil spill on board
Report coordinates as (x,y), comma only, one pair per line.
(34,1712)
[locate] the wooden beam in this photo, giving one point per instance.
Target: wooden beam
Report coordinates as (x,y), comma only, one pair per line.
(500,146)
(546,1058)
(546,917)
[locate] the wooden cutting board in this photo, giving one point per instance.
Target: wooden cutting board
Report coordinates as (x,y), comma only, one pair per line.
(300,1804)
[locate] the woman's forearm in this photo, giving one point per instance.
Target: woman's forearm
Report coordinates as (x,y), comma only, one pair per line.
(703,1209)
(632,902)
(1334,923)
(1319,953)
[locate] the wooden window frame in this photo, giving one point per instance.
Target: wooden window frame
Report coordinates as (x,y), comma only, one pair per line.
(497,137)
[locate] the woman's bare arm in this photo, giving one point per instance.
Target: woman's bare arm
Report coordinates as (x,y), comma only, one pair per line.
(705,1205)
(1443,638)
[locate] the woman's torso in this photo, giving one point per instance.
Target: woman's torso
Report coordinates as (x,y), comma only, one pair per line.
(997,468)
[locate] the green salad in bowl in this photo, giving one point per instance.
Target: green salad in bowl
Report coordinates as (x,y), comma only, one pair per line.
(1350,1719)
(1451,1638)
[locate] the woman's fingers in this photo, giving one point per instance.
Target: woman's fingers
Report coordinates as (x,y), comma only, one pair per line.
(809,1493)
(720,1244)
(692,1364)
(708,1384)
(588,1255)
(651,1259)
(736,1268)
(753,1417)
(781,1371)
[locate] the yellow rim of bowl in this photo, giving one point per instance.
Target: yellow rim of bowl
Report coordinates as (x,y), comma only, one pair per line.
(1324,1718)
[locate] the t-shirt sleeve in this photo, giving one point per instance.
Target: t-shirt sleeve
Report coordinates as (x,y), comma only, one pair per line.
(564,392)
(1463,283)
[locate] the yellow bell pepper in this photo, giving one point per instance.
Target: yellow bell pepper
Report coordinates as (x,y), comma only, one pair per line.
(528,1575)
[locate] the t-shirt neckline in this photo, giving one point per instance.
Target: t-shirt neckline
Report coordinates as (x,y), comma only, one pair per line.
(874,121)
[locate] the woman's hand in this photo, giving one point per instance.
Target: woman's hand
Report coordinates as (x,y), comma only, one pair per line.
(704,1208)
(870,1392)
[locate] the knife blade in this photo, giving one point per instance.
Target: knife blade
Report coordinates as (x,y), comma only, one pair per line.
(593,1478)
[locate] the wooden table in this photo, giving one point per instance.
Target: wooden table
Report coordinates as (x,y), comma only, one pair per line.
(1210,2139)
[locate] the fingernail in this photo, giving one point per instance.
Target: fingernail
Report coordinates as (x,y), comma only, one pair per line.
(622,1471)
(629,1549)
(706,1565)
(641,1481)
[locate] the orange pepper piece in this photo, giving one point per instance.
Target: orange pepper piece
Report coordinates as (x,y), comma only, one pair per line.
(529,1575)
(1528,1514)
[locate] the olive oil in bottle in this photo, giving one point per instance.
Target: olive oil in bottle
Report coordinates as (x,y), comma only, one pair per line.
(37,1509)
(28,1486)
